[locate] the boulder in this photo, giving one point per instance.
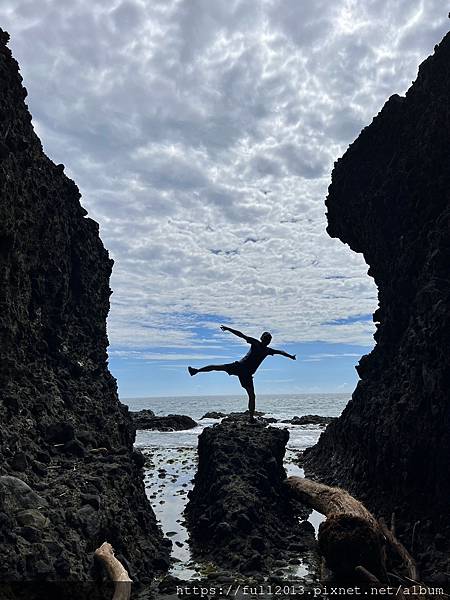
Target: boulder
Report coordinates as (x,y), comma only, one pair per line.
(15,494)
(238,504)
(32,518)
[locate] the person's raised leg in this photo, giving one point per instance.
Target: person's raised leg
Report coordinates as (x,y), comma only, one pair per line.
(207,369)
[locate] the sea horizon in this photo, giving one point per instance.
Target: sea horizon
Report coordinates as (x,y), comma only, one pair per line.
(122,398)
(278,406)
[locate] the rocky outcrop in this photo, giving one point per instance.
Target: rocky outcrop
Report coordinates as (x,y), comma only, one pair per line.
(69,478)
(310,420)
(214,415)
(389,199)
(146,419)
(238,513)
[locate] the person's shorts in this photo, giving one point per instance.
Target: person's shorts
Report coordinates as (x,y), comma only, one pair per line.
(236,368)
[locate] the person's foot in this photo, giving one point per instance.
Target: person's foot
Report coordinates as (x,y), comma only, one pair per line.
(192,371)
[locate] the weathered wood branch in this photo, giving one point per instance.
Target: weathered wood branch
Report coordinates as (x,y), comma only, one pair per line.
(408,562)
(329,500)
(353,542)
(350,537)
(116,571)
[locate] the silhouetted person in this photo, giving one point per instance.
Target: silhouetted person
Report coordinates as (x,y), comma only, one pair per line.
(245,368)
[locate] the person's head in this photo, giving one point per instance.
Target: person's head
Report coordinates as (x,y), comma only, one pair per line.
(266,338)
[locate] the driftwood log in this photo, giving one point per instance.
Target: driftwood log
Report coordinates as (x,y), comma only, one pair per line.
(350,540)
(116,571)
(354,544)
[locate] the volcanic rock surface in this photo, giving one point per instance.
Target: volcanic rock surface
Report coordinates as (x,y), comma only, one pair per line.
(214,415)
(69,478)
(146,419)
(238,513)
(310,420)
(389,199)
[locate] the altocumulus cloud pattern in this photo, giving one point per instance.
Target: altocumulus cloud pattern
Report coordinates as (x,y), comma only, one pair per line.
(202,135)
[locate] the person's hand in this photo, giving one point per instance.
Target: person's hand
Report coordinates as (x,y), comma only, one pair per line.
(294,357)
(223,327)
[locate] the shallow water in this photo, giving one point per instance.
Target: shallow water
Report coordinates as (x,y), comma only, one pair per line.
(172,461)
(167,493)
(169,475)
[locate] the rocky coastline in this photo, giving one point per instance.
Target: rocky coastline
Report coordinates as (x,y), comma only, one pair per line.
(69,476)
(303,420)
(389,201)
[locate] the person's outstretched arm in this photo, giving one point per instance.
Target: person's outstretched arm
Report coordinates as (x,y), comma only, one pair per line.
(247,338)
(283,353)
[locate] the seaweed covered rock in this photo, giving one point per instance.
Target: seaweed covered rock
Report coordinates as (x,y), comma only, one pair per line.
(389,199)
(69,478)
(239,514)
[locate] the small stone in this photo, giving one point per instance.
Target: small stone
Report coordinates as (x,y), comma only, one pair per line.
(138,458)
(91,499)
(17,494)
(88,518)
(19,462)
(33,518)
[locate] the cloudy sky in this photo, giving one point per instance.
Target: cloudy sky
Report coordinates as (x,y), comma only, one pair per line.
(202,134)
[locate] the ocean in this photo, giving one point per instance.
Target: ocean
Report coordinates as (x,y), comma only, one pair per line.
(279,406)
(171,457)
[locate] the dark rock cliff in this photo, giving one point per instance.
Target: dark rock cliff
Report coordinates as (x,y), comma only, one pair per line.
(390,200)
(63,431)
(239,513)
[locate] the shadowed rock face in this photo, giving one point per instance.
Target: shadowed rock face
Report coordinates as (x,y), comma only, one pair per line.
(239,513)
(63,430)
(389,199)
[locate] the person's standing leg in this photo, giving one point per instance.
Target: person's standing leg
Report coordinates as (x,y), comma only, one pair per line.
(247,384)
